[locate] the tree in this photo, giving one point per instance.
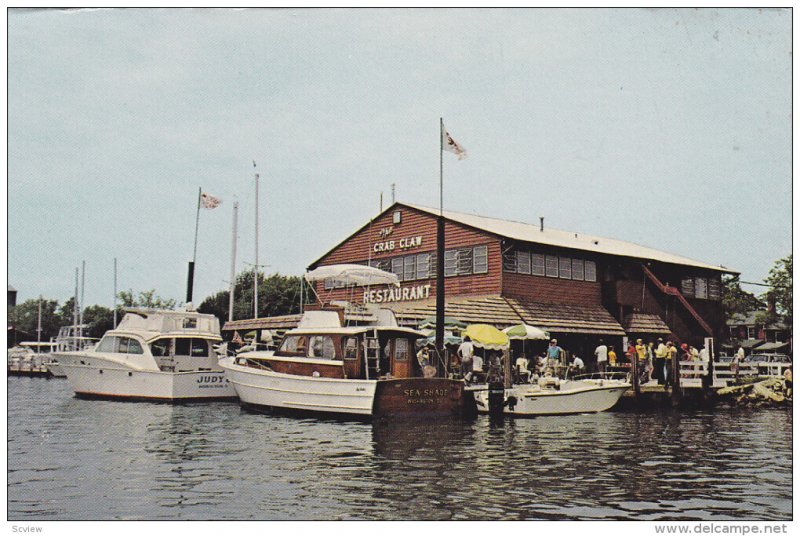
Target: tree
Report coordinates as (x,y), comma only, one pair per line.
(780,283)
(735,300)
(25,318)
(147,298)
(277,295)
(99,319)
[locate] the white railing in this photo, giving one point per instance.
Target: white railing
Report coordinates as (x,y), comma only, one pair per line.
(724,374)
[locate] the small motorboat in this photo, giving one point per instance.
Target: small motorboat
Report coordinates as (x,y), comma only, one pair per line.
(554,396)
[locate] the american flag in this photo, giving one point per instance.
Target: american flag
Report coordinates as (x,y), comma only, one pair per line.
(449,144)
(209,201)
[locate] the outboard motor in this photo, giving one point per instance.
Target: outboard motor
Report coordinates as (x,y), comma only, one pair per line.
(496,398)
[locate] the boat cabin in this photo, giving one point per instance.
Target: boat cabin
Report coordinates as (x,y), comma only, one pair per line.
(321,347)
(170,341)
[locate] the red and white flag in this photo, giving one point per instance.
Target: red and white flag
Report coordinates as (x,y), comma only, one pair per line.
(451,145)
(209,201)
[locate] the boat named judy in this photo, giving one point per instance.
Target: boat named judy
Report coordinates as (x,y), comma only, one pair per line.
(153,354)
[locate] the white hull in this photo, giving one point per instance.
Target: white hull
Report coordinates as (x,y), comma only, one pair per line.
(96,377)
(54,368)
(257,387)
(581,396)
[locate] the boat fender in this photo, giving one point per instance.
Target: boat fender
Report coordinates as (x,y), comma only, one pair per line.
(315,374)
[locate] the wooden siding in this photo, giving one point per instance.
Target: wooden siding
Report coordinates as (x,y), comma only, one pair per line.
(551,290)
(359,249)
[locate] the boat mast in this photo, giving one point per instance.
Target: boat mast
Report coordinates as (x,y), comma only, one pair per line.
(115,292)
(233,260)
(83,288)
(39,328)
(255,266)
(75,307)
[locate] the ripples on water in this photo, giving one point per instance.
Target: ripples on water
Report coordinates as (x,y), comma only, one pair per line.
(71,459)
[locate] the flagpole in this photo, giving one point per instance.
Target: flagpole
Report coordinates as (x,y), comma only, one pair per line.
(190,279)
(440,256)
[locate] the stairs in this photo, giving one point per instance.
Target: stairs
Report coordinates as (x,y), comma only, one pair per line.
(666,289)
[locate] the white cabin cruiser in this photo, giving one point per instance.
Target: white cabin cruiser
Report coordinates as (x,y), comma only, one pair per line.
(553,396)
(69,339)
(153,354)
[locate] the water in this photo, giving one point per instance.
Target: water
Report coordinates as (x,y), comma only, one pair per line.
(71,459)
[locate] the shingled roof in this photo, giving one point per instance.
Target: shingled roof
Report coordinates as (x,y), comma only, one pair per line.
(504,312)
(645,323)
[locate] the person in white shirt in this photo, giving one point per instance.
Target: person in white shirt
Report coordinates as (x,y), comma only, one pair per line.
(465,353)
(522,368)
(601,352)
(576,367)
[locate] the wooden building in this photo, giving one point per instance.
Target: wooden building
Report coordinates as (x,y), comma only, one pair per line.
(580,288)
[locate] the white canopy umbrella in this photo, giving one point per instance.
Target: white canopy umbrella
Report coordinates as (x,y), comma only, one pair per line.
(525,332)
(352,274)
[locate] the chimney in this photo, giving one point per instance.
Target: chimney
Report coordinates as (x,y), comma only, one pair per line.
(770,303)
(541,223)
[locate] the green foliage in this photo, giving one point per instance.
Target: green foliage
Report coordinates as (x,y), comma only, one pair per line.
(147,298)
(277,295)
(735,300)
(780,283)
(25,317)
(99,320)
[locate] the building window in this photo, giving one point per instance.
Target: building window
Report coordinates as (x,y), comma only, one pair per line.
(510,261)
(409,267)
(590,271)
(450,263)
(714,289)
(523,262)
(687,287)
(700,288)
(751,332)
(397,267)
(537,264)
(432,266)
(423,265)
(564,268)
(577,269)
(396,217)
(465,261)
(551,266)
(480,260)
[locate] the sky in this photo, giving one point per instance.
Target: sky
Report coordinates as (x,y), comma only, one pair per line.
(670,128)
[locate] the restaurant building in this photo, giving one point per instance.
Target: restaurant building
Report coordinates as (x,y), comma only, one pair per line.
(580,288)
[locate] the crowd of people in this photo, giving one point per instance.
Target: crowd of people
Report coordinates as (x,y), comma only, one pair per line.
(654,361)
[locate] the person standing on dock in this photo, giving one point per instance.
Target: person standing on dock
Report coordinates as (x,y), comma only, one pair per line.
(601,352)
(465,352)
(672,355)
(661,356)
(612,357)
(651,355)
(553,354)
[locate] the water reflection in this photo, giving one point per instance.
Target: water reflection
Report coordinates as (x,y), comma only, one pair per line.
(79,459)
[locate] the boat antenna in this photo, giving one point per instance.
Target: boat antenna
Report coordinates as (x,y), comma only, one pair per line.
(233,261)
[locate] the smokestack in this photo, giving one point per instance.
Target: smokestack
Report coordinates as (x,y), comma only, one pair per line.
(541,223)
(771,303)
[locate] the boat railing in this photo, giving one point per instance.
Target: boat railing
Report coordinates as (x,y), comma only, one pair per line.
(621,376)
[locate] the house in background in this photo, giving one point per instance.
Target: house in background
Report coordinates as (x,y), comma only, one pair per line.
(756,337)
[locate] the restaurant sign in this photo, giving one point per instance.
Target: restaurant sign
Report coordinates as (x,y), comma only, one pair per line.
(417,292)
